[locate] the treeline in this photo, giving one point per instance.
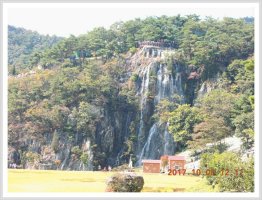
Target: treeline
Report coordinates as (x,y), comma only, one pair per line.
(209,44)
(24,45)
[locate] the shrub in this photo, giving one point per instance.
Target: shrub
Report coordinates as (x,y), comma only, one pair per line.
(231,173)
(76,150)
(57,163)
(84,157)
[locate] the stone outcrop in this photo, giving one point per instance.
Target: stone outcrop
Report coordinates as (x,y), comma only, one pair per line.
(125,182)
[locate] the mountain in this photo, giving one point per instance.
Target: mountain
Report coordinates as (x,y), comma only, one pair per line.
(140,89)
(22,44)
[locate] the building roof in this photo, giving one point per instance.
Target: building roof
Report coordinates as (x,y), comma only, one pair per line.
(176,158)
(151,161)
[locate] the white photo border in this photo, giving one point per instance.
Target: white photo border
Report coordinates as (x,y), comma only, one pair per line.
(4,118)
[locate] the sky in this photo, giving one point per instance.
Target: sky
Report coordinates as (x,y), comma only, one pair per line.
(76,19)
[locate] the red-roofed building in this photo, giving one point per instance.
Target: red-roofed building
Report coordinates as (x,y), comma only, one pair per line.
(172,162)
(176,162)
(151,166)
(165,162)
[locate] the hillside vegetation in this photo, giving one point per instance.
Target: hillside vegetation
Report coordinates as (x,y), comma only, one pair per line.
(24,47)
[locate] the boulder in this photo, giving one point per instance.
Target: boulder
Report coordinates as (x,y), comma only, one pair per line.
(125,182)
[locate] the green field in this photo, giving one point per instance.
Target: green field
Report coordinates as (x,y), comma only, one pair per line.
(89,181)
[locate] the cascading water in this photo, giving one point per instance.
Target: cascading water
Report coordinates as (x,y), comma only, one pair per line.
(178,85)
(164,83)
(158,144)
(143,93)
(148,142)
(67,154)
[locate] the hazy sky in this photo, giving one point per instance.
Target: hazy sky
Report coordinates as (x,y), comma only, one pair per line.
(66,19)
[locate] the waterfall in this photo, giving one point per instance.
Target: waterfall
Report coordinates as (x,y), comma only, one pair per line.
(158,140)
(165,83)
(153,145)
(143,93)
(67,152)
(178,86)
(159,84)
(171,84)
(148,142)
(158,144)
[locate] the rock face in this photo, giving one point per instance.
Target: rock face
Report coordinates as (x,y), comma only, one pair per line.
(125,182)
(127,130)
(207,86)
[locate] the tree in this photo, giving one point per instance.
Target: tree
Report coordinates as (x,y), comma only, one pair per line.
(218,104)
(85,117)
(241,72)
(211,130)
(84,158)
(182,121)
(24,47)
(245,129)
(164,109)
(231,173)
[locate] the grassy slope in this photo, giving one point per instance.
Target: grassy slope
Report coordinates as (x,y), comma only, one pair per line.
(74,181)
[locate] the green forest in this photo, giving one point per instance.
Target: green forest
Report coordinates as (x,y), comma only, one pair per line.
(79,102)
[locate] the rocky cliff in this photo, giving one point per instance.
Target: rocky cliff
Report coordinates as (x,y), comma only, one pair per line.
(124,132)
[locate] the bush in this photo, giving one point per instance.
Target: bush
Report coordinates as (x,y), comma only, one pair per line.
(67,63)
(238,175)
(84,157)
(76,150)
(57,163)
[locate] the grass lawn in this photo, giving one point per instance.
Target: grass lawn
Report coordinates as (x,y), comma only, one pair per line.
(88,181)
